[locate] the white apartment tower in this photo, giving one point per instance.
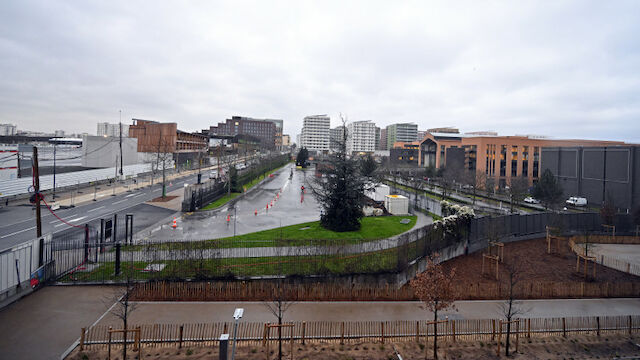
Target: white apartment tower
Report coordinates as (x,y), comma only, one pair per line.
(315,133)
(361,136)
(106,129)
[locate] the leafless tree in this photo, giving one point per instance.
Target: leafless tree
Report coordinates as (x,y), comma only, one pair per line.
(122,306)
(518,189)
(279,304)
(447,181)
(511,308)
(437,291)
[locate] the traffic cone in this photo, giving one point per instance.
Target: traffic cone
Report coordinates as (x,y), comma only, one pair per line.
(255,212)
(228,217)
(175,224)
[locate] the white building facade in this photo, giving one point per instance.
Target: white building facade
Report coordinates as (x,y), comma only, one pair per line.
(106,129)
(361,137)
(8,129)
(315,133)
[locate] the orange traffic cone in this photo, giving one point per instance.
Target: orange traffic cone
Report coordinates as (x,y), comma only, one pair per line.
(255,212)
(175,224)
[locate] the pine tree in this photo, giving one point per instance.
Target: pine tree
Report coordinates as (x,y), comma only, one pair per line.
(547,190)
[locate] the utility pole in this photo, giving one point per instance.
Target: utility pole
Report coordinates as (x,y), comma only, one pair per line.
(121,162)
(36,176)
(54,171)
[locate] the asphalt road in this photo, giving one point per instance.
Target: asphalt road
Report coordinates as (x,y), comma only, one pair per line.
(18,221)
(289,208)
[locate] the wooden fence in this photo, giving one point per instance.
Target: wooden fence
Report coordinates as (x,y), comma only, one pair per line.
(254,333)
(577,246)
(263,291)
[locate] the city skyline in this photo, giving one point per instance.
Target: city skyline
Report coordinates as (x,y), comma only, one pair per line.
(566,70)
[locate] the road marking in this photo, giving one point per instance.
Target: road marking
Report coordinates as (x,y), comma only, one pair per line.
(157,189)
(118,202)
(17,232)
(77,219)
(98,208)
(130,195)
(143,194)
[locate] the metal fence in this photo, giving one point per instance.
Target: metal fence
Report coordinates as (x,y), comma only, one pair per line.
(23,266)
(99,260)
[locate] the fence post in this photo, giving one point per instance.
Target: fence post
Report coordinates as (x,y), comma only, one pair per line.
(453,330)
(564,327)
(417,331)
(529,328)
(109,346)
(82,339)
(304,330)
(264,335)
(517,334)
(342,333)
(630,325)
(382,331)
(180,337)
(117,264)
(598,325)
(86,242)
(499,338)
(493,329)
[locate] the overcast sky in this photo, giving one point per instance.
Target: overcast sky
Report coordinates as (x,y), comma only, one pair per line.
(558,68)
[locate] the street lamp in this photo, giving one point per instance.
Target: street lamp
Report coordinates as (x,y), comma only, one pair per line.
(237,315)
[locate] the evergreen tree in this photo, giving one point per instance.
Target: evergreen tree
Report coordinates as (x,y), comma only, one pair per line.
(368,166)
(340,191)
(547,190)
(233,180)
(302,157)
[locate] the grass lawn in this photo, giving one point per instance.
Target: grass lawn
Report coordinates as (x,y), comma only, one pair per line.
(223,200)
(372,262)
(310,233)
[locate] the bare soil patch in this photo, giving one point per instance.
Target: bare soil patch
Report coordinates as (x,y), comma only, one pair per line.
(165,199)
(535,264)
(575,347)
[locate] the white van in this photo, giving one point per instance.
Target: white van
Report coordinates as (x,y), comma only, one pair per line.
(577,201)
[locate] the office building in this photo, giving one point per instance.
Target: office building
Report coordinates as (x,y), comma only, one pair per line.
(286,141)
(315,134)
(268,131)
(154,137)
(361,137)
(382,143)
(377,139)
(597,173)
(405,154)
(498,157)
(106,129)
(405,132)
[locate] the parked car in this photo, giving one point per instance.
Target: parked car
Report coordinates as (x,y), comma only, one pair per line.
(530,200)
(577,201)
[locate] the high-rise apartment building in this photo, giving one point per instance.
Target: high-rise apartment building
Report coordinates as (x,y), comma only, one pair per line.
(336,138)
(382,143)
(8,130)
(377,140)
(361,137)
(316,133)
(405,132)
(106,129)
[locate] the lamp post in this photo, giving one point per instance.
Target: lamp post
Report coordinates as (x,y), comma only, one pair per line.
(237,315)
(54,171)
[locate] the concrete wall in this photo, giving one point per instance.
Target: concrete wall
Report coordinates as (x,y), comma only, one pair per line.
(101,152)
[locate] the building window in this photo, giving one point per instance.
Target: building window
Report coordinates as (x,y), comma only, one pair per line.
(514,161)
(536,161)
(503,160)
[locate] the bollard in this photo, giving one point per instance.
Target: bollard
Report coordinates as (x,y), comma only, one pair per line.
(224,346)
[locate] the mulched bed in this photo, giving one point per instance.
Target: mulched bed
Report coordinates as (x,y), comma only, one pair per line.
(535,265)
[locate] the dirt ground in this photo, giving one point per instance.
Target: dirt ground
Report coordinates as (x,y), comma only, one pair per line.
(575,347)
(534,263)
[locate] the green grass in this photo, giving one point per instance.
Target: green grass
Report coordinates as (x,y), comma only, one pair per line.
(310,233)
(373,262)
(223,200)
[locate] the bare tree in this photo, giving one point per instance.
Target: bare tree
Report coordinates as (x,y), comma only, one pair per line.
(162,157)
(448,180)
(123,307)
(436,290)
(511,308)
(475,181)
(279,303)
(518,190)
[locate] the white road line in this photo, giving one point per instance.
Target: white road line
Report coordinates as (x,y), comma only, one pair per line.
(98,208)
(77,219)
(157,189)
(130,195)
(143,194)
(118,202)
(17,232)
